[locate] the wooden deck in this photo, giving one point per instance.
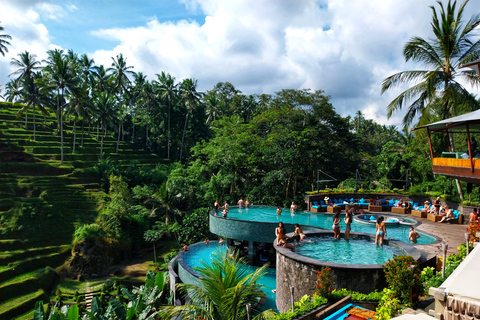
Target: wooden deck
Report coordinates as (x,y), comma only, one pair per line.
(462,169)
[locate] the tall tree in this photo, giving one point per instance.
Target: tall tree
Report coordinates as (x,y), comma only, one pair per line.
(120,72)
(26,65)
(3,42)
(61,76)
(167,90)
(454,44)
(105,113)
(32,97)
(189,96)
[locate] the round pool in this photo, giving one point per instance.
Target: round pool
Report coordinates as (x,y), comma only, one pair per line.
(356,264)
(200,252)
(268,215)
(354,251)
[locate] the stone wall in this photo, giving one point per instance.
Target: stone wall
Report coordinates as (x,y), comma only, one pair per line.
(245,230)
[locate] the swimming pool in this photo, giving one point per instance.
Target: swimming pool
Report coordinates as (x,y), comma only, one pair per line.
(355,251)
(201,252)
(324,221)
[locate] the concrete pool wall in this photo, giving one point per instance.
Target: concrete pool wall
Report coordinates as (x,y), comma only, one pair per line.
(300,272)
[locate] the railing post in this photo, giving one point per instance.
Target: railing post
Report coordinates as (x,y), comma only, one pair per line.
(470,148)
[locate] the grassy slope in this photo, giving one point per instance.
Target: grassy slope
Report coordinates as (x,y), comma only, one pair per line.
(42,200)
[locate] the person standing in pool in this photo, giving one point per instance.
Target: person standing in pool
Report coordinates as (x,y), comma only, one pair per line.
(247,203)
(293,207)
(299,233)
(380,230)
(336,226)
(348,221)
(279,210)
(240,203)
(413,235)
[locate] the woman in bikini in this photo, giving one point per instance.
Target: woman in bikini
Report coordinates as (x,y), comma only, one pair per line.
(381,231)
(348,221)
(299,232)
(336,226)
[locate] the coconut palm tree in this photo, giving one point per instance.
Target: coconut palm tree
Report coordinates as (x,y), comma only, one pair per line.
(226,288)
(454,44)
(167,91)
(32,97)
(61,76)
(120,72)
(105,113)
(3,42)
(189,96)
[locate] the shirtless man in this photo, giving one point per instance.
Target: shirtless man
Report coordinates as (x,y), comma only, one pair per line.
(474,215)
(293,207)
(240,203)
(413,235)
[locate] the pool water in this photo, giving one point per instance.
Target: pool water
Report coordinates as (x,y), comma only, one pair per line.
(324,221)
(355,251)
(201,252)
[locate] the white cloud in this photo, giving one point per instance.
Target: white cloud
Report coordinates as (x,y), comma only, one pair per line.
(51,11)
(343,47)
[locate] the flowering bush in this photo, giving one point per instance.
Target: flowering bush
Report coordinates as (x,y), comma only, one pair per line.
(473,229)
(324,282)
(403,277)
(388,306)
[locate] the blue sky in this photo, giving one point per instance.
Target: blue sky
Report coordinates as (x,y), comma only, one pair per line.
(345,48)
(104,14)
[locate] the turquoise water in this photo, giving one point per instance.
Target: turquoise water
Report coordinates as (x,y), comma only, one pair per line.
(358,251)
(201,252)
(324,221)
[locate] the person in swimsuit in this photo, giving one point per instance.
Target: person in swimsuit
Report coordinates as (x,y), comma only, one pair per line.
(280,231)
(299,232)
(474,215)
(413,235)
(216,206)
(247,203)
(336,226)
(436,204)
(348,222)
(381,231)
(240,203)
(293,207)
(279,211)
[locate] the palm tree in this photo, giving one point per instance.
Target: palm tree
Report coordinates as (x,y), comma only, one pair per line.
(27,64)
(105,113)
(32,97)
(62,77)
(226,288)
(120,72)
(3,42)
(212,106)
(190,96)
(444,55)
(168,90)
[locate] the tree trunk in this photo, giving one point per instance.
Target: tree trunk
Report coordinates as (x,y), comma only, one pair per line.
(98,128)
(452,147)
(146,136)
(26,118)
(83,131)
(183,136)
(101,148)
(168,132)
(133,130)
(34,128)
(118,139)
(74,132)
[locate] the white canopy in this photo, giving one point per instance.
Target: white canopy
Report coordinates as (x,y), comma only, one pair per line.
(471,119)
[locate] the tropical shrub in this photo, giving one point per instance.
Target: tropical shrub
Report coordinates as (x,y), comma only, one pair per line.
(324,282)
(403,277)
(194,227)
(305,304)
(388,306)
(356,296)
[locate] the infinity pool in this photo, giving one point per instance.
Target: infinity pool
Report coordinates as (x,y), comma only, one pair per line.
(324,221)
(201,252)
(355,251)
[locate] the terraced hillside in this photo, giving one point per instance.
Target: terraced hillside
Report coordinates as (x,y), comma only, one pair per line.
(42,200)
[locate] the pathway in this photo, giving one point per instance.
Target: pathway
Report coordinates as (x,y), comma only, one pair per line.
(88,298)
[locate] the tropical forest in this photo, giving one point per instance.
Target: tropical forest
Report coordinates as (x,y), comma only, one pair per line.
(105,174)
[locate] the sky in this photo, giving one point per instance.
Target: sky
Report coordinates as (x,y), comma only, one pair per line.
(344,47)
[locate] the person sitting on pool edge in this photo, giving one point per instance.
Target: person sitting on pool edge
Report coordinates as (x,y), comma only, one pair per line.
(299,233)
(413,235)
(380,230)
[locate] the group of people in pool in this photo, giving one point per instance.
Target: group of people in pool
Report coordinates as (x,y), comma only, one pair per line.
(283,239)
(241,203)
(293,207)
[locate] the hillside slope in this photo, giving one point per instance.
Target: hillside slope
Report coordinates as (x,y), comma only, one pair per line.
(42,200)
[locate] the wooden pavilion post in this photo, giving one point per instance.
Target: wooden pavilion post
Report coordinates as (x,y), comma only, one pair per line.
(469,148)
(430,143)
